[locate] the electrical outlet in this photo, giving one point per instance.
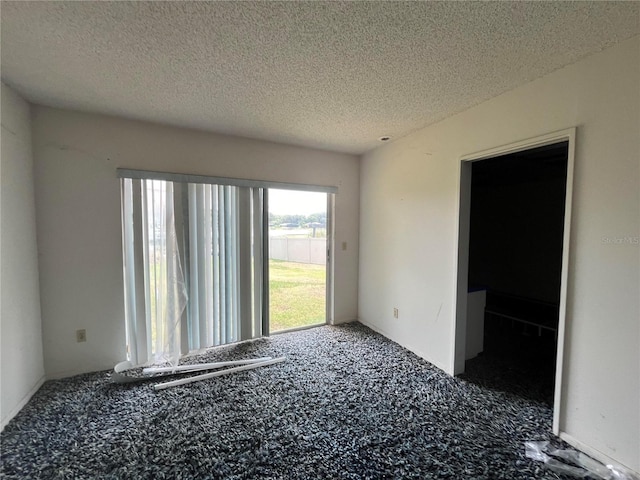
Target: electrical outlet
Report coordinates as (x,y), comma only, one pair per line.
(344,245)
(395,313)
(81,335)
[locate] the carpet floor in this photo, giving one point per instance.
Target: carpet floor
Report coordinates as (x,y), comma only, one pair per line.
(347,404)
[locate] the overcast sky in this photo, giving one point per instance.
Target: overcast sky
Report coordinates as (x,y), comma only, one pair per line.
(292,202)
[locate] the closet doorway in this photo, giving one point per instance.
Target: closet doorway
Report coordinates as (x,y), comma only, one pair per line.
(515,210)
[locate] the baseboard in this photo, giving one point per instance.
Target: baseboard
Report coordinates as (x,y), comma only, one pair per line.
(411,348)
(60,374)
(22,403)
(593,453)
(342,322)
(375,328)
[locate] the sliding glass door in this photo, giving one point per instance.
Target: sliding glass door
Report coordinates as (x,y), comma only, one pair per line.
(297,278)
(192,266)
(208,263)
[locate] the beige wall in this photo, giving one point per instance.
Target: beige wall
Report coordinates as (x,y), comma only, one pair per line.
(78,217)
(409,217)
(21,358)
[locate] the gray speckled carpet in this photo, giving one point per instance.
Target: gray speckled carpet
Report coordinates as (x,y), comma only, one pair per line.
(347,404)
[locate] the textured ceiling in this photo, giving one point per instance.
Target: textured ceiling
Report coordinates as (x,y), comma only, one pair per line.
(332,75)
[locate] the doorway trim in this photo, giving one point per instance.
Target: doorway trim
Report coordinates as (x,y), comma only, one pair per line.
(462,267)
(329,308)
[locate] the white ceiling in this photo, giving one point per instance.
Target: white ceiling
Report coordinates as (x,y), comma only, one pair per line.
(332,75)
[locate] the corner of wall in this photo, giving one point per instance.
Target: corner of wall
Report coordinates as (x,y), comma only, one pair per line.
(22,362)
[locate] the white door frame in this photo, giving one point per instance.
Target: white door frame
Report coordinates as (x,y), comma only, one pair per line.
(329,265)
(464,208)
(330,306)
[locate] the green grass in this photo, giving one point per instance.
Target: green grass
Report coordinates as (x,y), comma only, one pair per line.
(297,293)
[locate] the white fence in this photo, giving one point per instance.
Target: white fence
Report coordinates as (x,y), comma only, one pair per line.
(300,250)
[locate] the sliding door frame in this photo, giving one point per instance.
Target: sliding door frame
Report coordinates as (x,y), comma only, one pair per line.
(264,186)
(329,316)
(266,330)
(329,265)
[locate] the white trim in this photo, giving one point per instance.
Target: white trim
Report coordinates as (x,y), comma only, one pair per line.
(330,265)
(592,452)
(528,144)
(459,327)
(416,351)
(15,410)
(210,180)
(462,247)
(570,135)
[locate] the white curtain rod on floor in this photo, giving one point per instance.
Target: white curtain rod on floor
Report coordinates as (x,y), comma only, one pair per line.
(197,378)
(202,366)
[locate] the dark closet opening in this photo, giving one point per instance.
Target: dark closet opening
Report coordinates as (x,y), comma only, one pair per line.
(515,256)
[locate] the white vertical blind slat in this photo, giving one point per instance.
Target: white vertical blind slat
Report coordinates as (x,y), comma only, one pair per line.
(194,311)
(215,287)
(222,230)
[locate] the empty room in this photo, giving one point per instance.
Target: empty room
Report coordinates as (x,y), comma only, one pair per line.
(350,240)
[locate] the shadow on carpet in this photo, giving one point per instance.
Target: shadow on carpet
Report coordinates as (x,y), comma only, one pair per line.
(347,404)
(525,378)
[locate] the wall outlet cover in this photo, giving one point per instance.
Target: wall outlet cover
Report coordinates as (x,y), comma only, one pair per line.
(81,335)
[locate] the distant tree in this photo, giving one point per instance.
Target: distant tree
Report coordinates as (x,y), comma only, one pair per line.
(318,219)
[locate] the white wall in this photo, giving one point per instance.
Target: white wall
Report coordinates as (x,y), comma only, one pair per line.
(409,216)
(78,215)
(21,358)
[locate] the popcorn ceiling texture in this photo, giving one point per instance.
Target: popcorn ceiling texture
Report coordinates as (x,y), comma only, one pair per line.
(347,404)
(332,75)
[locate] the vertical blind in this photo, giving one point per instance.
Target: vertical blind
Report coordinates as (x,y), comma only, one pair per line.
(194,261)
(190,245)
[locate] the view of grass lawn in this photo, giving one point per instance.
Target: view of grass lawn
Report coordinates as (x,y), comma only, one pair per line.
(296,295)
